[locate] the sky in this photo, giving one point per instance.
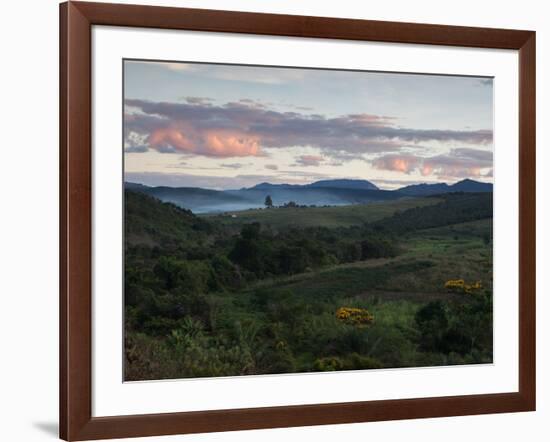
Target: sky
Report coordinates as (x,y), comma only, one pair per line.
(233,126)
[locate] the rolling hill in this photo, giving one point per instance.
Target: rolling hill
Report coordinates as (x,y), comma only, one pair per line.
(149,221)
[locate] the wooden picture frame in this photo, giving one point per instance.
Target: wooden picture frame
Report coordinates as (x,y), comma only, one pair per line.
(76,21)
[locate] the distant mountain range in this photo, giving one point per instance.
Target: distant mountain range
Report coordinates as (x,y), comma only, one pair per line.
(320,193)
(323,184)
(466,185)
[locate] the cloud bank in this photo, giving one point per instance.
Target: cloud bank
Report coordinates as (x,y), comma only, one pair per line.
(245,128)
(459,162)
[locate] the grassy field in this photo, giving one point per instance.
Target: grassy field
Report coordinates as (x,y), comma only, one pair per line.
(333,216)
(458,251)
(430,258)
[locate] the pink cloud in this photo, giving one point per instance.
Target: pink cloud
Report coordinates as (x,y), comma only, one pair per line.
(310,160)
(426,170)
(215,142)
(231,143)
(458,163)
(448,169)
(397,163)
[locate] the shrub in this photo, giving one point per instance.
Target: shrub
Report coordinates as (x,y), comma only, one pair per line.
(358,317)
(359,362)
(188,276)
(459,286)
(225,275)
(377,248)
(328,364)
(432,323)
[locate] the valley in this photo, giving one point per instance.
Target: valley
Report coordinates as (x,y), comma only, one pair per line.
(275,290)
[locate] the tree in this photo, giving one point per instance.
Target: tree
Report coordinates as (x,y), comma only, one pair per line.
(248,250)
(292,260)
(268,202)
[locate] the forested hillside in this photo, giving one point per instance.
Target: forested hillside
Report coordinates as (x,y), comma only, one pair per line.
(219,296)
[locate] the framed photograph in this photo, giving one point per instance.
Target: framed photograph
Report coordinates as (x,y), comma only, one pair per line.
(273,220)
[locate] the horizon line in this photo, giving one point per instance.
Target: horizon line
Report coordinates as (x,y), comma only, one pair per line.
(373,182)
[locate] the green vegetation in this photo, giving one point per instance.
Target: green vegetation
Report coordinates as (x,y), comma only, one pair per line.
(283,290)
(330,216)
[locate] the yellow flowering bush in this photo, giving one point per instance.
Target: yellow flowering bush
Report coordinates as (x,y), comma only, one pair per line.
(460,286)
(455,285)
(473,288)
(359,317)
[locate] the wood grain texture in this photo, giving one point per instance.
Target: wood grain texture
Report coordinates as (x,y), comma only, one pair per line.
(75,216)
(76,20)
(299,26)
(527,220)
(63,293)
(294,416)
